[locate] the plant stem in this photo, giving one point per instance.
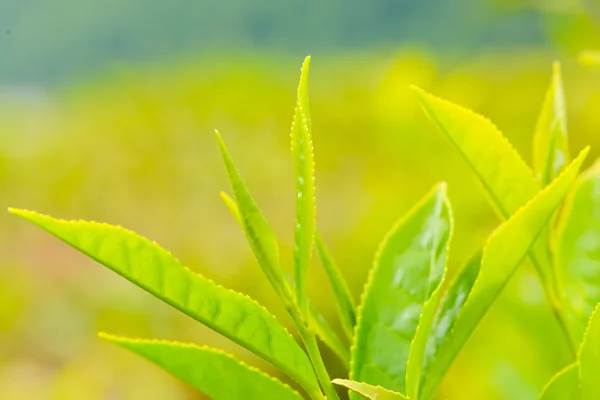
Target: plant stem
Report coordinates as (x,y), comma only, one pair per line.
(310,342)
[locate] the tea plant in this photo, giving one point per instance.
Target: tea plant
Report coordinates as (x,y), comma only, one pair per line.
(412,321)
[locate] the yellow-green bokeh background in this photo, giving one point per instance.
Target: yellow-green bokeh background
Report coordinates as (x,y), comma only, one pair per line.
(134,146)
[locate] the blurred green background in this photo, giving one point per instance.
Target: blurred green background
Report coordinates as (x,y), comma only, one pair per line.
(107,111)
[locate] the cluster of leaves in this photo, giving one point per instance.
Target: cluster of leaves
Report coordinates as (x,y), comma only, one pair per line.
(412,319)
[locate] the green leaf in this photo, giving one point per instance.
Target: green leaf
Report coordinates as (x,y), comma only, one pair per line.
(506,177)
(497,266)
(215,373)
(563,386)
(369,391)
(408,268)
(155,270)
(434,330)
(258,232)
(550,142)
(322,328)
(434,326)
(343,298)
(304,167)
(589,359)
(578,248)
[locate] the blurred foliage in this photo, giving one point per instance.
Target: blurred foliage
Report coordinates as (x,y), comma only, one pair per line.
(50,41)
(137,148)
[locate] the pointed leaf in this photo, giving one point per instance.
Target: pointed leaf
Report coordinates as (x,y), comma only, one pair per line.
(550,142)
(589,359)
(564,385)
(343,298)
(215,373)
(407,269)
(578,248)
(304,166)
(155,270)
(258,232)
(505,176)
(497,266)
(322,328)
(369,391)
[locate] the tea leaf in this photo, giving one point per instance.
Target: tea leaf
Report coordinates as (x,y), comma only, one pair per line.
(589,359)
(505,176)
(155,270)
(322,328)
(407,269)
(369,391)
(550,142)
(258,232)
(578,248)
(497,266)
(434,327)
(343,298)
(564,385)
(215,373)
(304,167)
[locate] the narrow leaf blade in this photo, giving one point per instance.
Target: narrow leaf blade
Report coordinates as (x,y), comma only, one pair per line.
(407,269)
(322,328)
(261,237)
(497,266)
(589,359)
(214,373)
(304,167)
(343,298)
(369,391)
(564,385)
(578,248)
(550,141)
(155,270)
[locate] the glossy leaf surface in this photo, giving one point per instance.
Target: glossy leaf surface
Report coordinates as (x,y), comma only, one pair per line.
(497,266)
(304,167)
(155,270)
(369,391)
(578,248)
(408,268)
(215,373)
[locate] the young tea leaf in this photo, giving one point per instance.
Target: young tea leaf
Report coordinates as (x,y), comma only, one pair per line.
(304,166)
(407,269)
(322,328)
(505,176)
(369,391)
(213,372)
(550,142)
(563,386)
(343,297)
(155,270)
(578,248)
(497,265)
(258,232)
(589,359)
